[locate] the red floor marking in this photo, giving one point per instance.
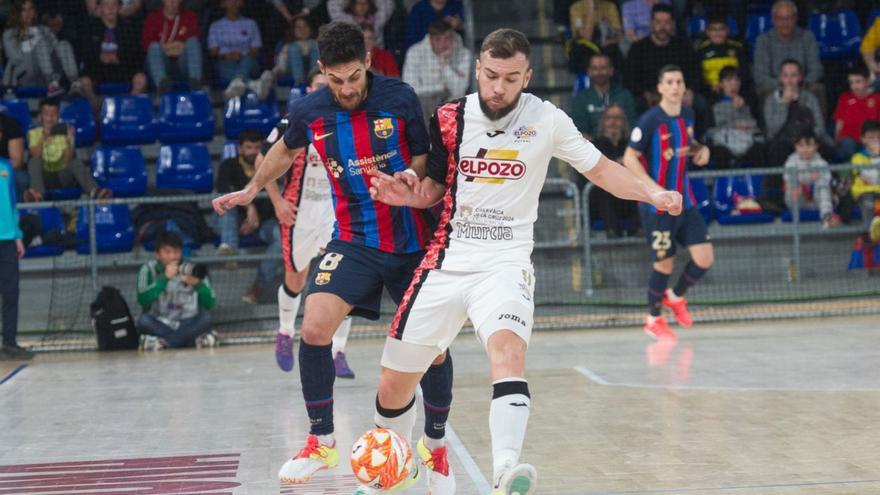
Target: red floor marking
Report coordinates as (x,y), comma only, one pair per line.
(180,475)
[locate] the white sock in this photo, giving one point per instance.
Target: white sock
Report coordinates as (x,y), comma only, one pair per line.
(328,440)
(508,418)
(341,336)
(287,309)
(402,424)
(434,443)
(672,295)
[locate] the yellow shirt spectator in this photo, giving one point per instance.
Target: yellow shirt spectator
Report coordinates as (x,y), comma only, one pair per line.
(604,11)
(870,45)
(54,148)
(865,181)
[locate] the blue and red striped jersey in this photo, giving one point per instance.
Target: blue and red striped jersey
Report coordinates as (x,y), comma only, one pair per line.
(380,137)
(664,142)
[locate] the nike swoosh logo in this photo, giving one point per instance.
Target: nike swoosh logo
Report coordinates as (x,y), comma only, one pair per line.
(519,404)
(319,137)
(493,134)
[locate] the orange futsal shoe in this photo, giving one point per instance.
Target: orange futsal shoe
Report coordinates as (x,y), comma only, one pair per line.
(679,308)
(658,328)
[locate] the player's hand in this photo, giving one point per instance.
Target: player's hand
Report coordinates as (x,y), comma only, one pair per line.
(701,156)
(19,248)
(668,201)
(238,198)
(390,190)
(285,212)
(410,179)
(171,269)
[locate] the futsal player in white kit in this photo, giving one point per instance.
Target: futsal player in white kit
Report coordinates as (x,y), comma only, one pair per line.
(489,156)
(306,216)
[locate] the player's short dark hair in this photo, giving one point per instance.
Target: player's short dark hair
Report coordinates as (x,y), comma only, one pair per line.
(859,70)
(50,102)
(660,8)
(717,19)
(506,43)
(439,26)
(728,72)
(250,136)
(805,135)
(313,74)
(791,61)
(870,126)
(340,42)
(165,238)
(666,69)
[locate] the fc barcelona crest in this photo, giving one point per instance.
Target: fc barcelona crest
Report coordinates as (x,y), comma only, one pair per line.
(383,128)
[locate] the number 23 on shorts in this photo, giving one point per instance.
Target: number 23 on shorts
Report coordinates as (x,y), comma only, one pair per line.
(328,263)
(661,240)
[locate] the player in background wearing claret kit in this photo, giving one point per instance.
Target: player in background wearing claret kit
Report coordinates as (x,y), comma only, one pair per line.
(658,152)
(489,156)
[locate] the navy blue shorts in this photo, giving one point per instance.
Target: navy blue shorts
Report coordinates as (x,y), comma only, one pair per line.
(357,274)
(664,231)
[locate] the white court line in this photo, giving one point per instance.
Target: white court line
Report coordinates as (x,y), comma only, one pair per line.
(591,375)
(467,461)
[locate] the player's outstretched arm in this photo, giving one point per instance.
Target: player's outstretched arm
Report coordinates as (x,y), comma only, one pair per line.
(404,189)
(625,183)
(274,164)
(285,211)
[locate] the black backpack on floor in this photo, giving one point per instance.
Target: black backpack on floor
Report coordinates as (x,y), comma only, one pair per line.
(112,321)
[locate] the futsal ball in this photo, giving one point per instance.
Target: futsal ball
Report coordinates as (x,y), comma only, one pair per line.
(381,459)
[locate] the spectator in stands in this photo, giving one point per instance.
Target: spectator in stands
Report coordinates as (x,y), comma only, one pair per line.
(870,49)
(786,41)
(736,131)
(381,60)
(299,55)
(866,183)
(257,218)
(111,52)
(588,16)
(438,67)
(128,9)
(234,43)
(719,51)
(11,249)
(373,13)
(34,55)
(589,104)
(648,55)
(12,149)
(426,12)
(854,107)
(638,18)
(809,189)
(176,298)
(621,217)
(52,164)
(171,42)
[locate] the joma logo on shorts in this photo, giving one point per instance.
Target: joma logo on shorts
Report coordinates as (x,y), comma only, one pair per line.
(491,168)
(512,317)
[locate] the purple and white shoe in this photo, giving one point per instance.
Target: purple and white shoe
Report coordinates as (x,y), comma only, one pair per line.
(341,365)
(284,351)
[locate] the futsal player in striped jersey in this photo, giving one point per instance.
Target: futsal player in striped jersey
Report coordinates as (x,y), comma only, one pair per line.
(361,125)
(659,149)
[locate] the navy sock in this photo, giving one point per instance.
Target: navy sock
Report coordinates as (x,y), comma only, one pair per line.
(688,277)
(317,375)
(437,395)
(656,288)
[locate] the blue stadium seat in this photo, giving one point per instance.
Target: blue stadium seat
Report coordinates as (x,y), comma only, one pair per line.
(63,194)
(230,149)
(248,112)
(31,92)
(185,117)
(839,35)
(120,169)
(78,113)
(127,119)
(51,218)
(701,194)
(113,88)
(115,233)
(758,24)
(697,25)
(805,216)
(726,188)
(185,166)
(581,82)
(19,110)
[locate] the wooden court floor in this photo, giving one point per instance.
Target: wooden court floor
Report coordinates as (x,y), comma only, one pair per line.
(761,408)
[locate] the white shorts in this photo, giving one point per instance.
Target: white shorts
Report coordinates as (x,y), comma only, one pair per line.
(439,302)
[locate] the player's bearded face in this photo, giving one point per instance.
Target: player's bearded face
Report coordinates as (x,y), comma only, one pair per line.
(501,82)
(348,82)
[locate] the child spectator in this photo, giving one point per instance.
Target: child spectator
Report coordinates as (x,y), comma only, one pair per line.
(299,55)
(719,51)
(52,164)
(373,13)
(866,183)
(171,40)
(175,297)
(34,55)
(234,42)
(854,107)
(809,189)
(733,137)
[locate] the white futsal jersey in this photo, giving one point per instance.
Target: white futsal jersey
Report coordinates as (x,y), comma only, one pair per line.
(494,171)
